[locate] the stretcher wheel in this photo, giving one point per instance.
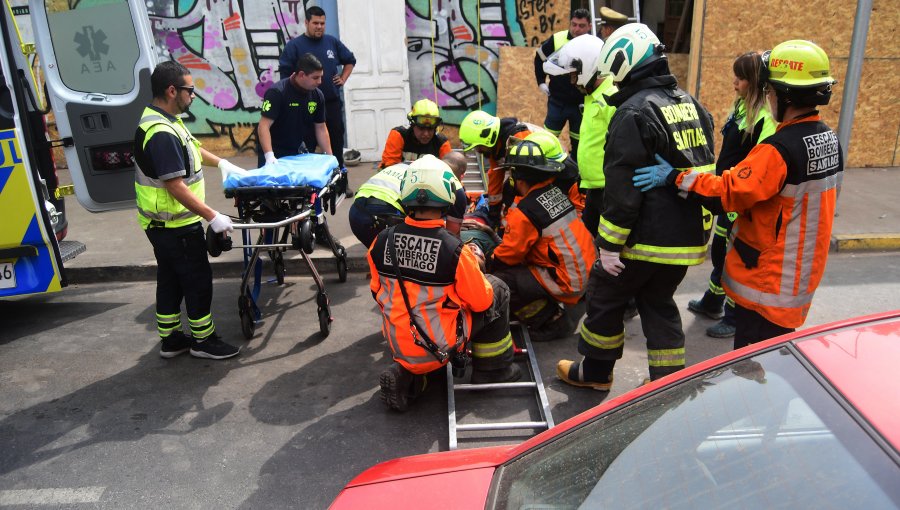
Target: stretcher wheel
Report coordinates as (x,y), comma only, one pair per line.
(306,237)
(245,310)
(342,265)
(324,321)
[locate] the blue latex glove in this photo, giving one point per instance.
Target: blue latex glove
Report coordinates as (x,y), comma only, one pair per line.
(650,177)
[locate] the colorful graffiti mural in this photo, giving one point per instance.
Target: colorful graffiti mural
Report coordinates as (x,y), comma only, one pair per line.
(454,51)
(232,49)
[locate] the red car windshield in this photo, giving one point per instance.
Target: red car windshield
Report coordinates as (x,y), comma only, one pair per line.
(759,433)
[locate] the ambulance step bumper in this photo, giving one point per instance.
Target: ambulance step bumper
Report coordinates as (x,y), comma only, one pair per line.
(68,250)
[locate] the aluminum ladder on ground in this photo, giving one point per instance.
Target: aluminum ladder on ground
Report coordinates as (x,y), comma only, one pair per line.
(536,383)
(475,178)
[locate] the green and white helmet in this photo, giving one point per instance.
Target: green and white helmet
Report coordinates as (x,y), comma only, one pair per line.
(629,47)
(428,182)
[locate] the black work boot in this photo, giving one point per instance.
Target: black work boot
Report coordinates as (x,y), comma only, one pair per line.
(699,307)
(558,327)
(509,373)
(400,386)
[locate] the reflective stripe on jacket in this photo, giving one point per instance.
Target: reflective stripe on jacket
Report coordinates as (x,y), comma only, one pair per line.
(785,191)
(385,185)
(154,202)
(654,116)
(444,284)
(544,231)
(402,146)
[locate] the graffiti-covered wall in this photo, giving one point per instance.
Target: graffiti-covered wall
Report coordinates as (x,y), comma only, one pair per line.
(454,47)
(232,49)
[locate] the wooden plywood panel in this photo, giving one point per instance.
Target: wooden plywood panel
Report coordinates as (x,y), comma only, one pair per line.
(874,136)
(730,27)
(518,95)
(540,20)
(678,64)
(517,92)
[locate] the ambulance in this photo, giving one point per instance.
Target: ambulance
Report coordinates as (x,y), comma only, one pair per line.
(95,60)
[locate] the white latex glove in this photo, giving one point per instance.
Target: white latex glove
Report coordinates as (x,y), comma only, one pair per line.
(611,262)
(228,168)
(544,88)
(270,157)
(221,223)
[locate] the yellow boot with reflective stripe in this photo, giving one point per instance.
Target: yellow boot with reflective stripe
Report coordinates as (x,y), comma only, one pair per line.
(571,372)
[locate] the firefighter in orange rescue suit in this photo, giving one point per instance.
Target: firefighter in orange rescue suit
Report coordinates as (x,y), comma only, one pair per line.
(785,191)
(547,252)
(490,137)
(409,143)
(433,297)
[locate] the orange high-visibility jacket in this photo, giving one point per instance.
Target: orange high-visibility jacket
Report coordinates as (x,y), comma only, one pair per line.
(496,177)
(544,231)
(443,281)
(785,191)
(402,145)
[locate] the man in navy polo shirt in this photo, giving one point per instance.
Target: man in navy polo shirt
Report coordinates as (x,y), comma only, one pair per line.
(331,52)
(293,114)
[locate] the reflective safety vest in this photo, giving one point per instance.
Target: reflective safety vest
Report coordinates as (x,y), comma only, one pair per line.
(444,284)
(385,185)
(785,191)
(154,202)
(594,126)
(544,231)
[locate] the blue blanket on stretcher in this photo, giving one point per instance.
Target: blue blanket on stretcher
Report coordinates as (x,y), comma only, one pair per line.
(314,170)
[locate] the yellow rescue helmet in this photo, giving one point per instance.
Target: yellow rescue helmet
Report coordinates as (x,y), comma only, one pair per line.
(798,64)
(425,113)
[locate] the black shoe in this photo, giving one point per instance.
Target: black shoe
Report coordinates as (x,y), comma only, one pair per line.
(560,327)
(696,306)
(400,386)
(213,348)
(349,193)
(721,330)
(174,344)
(509,374)
(631,312)
(324,237)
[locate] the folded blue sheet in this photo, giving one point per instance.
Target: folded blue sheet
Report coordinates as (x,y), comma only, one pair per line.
(313,170)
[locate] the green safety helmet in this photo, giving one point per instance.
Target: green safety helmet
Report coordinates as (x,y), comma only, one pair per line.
(479,128)
(797,64)
(550,145)
(428,182)
(528,163)
(629,47)
(425,114)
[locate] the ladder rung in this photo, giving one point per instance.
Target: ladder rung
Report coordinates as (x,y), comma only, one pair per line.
(494,386)
(509,425)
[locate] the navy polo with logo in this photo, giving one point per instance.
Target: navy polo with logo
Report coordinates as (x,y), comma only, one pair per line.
(294,113)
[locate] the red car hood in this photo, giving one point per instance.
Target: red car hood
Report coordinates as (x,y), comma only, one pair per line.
(451,480)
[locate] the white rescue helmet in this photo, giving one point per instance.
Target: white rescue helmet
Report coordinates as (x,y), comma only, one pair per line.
(629,47)
(580,55)
(428,182)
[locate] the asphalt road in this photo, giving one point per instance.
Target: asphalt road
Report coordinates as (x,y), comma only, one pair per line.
(91,417)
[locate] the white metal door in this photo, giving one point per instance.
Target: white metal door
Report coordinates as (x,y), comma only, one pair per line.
(377,94)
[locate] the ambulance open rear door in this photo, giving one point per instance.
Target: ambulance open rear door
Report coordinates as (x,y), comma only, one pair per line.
(97,56)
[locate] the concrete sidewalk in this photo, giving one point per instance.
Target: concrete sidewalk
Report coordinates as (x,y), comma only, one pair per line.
(117,250)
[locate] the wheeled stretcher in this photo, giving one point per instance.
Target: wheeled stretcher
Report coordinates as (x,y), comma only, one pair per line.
(286,202)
